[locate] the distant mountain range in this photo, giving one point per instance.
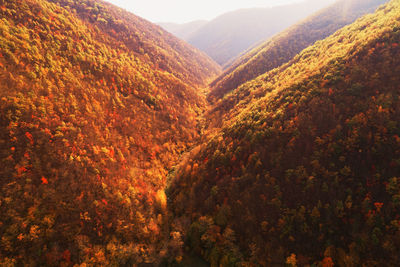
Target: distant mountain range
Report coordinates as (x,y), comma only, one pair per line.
(285,45)
(230,34)
(183,31)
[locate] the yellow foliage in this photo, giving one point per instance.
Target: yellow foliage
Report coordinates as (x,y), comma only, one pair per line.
(161,199)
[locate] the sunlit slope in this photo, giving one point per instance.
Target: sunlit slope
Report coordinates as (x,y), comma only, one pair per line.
(96,104)
(284,46)
(148,41)
(306,169)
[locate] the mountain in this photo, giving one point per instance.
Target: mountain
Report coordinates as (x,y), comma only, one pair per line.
(305,170)
(96,105)
(226,36)
(284,46)
(185,30)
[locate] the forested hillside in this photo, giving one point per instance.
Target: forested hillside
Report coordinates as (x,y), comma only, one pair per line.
(107,157)
(284,46)
(96,105)
(305,170)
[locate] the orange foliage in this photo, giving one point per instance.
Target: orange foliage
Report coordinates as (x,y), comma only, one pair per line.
(21,170)
(327,262)
(30,137)
(67,256)
(44,180)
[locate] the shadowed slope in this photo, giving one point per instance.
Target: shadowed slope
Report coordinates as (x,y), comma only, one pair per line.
(305,169)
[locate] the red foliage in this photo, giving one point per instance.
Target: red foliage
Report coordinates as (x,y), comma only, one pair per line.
(327,262)
(44,180)
(111,153)
(67,256)
(20,170)
(30,137)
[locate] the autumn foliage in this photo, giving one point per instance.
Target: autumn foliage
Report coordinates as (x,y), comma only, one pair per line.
(94,110)
(97,110)
(305,169)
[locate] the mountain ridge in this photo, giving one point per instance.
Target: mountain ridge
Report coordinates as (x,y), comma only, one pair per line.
(229,34)
(284,46)
(183,31)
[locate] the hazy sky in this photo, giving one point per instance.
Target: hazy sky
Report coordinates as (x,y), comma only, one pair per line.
(188,10)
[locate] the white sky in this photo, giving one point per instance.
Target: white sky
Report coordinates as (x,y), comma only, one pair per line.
(181,11)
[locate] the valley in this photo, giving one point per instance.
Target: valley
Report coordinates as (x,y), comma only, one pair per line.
(122,145)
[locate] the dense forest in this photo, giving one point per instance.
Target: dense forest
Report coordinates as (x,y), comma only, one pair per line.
(96,105)
(305,170)
(284,46)
(111,153)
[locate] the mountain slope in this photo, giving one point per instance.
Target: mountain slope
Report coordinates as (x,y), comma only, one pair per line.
(185,30)
(305,170)
(284,46)
(226,36)
(96,104)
